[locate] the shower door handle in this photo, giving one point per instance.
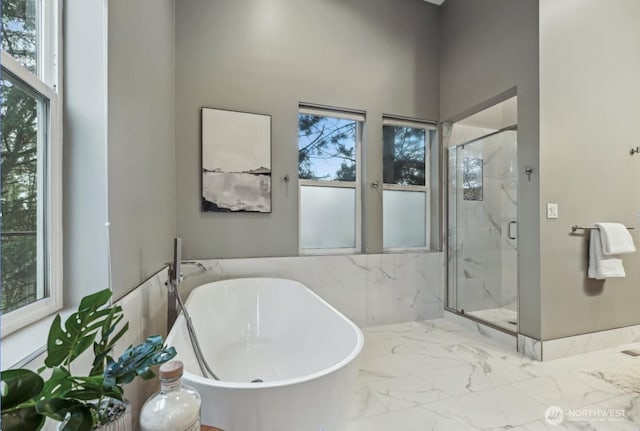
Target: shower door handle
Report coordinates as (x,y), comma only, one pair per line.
(509,229)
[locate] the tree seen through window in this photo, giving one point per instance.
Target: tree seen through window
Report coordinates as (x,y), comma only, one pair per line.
(19,169)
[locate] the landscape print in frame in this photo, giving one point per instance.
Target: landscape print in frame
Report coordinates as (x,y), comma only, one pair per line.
(236,161)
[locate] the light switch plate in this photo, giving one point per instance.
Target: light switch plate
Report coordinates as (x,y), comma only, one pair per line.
(552,210)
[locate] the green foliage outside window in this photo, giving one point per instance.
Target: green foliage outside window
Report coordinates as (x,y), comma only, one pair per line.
(19,175)
(404,155)
(326,148)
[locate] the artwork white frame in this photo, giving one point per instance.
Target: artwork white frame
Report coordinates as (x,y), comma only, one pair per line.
(236,161)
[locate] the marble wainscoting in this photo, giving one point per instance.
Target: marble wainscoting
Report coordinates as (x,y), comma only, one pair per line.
(146,310)
(369,289)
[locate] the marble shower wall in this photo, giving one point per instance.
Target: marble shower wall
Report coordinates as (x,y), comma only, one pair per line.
(479,236)
(368,289)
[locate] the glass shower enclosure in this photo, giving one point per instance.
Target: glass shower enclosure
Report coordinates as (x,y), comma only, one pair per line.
(482,229)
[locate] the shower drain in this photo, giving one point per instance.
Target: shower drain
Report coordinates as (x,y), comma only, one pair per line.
(257,381)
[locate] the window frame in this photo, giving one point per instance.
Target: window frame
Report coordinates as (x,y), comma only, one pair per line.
(47,85)
(359,118)
(429,127)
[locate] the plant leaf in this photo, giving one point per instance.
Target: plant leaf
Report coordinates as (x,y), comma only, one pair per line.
(80,417)
(57,408)
(84,343)
(102,349)
(114,392)
(18,386)
(136,361)
(92,388)
(56,352)
(80,329)
(23,419)
(85,394)
(58,384)
(80,420)
(95,300)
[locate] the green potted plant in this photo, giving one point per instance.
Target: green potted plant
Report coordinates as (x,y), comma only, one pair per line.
(81,403)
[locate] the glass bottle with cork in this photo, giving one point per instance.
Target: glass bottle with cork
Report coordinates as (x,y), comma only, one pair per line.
(176,407)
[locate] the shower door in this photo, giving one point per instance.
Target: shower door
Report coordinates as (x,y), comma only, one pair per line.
(482,229)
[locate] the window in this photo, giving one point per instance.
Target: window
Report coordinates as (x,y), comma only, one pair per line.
(329,172)
(31,227)
(405,195)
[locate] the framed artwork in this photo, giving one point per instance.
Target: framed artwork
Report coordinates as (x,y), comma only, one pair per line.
(236,161)
(472,179)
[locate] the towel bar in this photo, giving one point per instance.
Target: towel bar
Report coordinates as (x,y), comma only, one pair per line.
(575,227)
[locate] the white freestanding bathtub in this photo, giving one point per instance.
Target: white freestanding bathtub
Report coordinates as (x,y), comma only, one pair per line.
(305,352)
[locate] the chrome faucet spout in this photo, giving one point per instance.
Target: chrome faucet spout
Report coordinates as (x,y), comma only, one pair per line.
(175,277)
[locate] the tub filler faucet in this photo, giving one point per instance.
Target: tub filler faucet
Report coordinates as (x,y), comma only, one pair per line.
(175,301)
(175,278)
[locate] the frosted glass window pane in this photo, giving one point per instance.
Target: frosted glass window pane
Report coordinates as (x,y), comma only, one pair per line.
(404,220)
(327,217)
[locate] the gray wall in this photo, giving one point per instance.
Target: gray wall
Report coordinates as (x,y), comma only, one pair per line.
(118,94)
(489,47)
(589,93)
(85,141)
(141,138)
(266,56)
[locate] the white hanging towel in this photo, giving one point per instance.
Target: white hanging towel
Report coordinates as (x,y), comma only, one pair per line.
(615,238)
(601,266)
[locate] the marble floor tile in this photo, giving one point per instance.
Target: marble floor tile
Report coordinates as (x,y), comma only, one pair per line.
(543,425)
(412,390)
(436,375)
(569,389)
(410,419)
(490,409)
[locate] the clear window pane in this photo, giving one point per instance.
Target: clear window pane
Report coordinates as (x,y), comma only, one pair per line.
(327,217)
(20,31)
(326,148)
(21,131)
(404,155)
(404,219)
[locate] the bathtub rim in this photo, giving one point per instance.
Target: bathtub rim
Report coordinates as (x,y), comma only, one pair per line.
(353,355)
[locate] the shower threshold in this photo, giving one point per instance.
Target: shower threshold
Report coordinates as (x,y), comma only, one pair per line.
(504,318)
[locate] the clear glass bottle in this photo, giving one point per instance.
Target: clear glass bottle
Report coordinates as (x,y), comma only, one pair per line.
(176,407)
